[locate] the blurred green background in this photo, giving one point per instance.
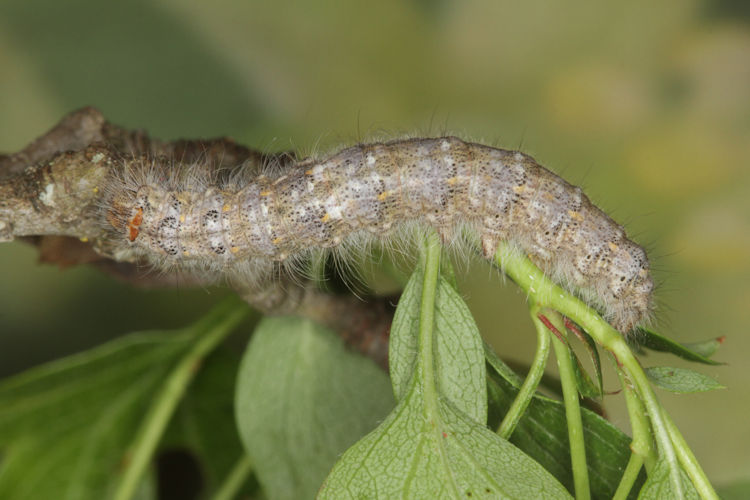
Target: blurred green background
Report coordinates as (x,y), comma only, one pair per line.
(645,104)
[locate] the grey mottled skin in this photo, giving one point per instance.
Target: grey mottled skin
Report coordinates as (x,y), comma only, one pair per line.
(242,228)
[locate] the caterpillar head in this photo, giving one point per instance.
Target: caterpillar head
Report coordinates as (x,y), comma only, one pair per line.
(631,283)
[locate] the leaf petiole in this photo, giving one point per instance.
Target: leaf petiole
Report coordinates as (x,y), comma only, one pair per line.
(689,462)
(572,409)
(536,371)
(431,257)
(209,333)
(546,293)
(643,440)
(629,477)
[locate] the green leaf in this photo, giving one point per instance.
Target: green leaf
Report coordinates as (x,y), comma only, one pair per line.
(459,350)
(402,349)
(501,368)
(429,446)
(302,399)
(659,487)
(155,422)
(204,424)
(656,342)
(706,348)
(447,457)
(448,273)
(586,387)
(598,390)
(542,434)
(65,426)
(681,380)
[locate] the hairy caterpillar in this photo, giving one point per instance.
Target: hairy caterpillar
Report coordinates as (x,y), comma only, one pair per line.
(240,228)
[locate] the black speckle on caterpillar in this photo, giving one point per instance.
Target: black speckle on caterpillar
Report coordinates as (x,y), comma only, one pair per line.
(242,226)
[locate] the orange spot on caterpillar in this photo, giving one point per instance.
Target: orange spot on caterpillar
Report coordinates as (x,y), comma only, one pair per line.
(452,181)
(226,208)
(265,193)
(612,246)
(276,241)
(234,249)
(382,196)
(134,223)
(519,189)
(326,218)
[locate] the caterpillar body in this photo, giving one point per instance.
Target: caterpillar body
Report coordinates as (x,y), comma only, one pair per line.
(241,228)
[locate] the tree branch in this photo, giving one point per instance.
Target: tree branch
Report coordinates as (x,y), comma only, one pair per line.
(50,195)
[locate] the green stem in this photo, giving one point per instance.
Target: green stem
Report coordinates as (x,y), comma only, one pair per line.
(572,411)
(546,293)
(526,393)
(689,463)
(236,478)
(431,263)
(629,477)
(643,441)
(653,409)
(209,333)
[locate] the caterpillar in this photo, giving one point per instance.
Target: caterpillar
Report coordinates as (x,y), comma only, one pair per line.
(240,228)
